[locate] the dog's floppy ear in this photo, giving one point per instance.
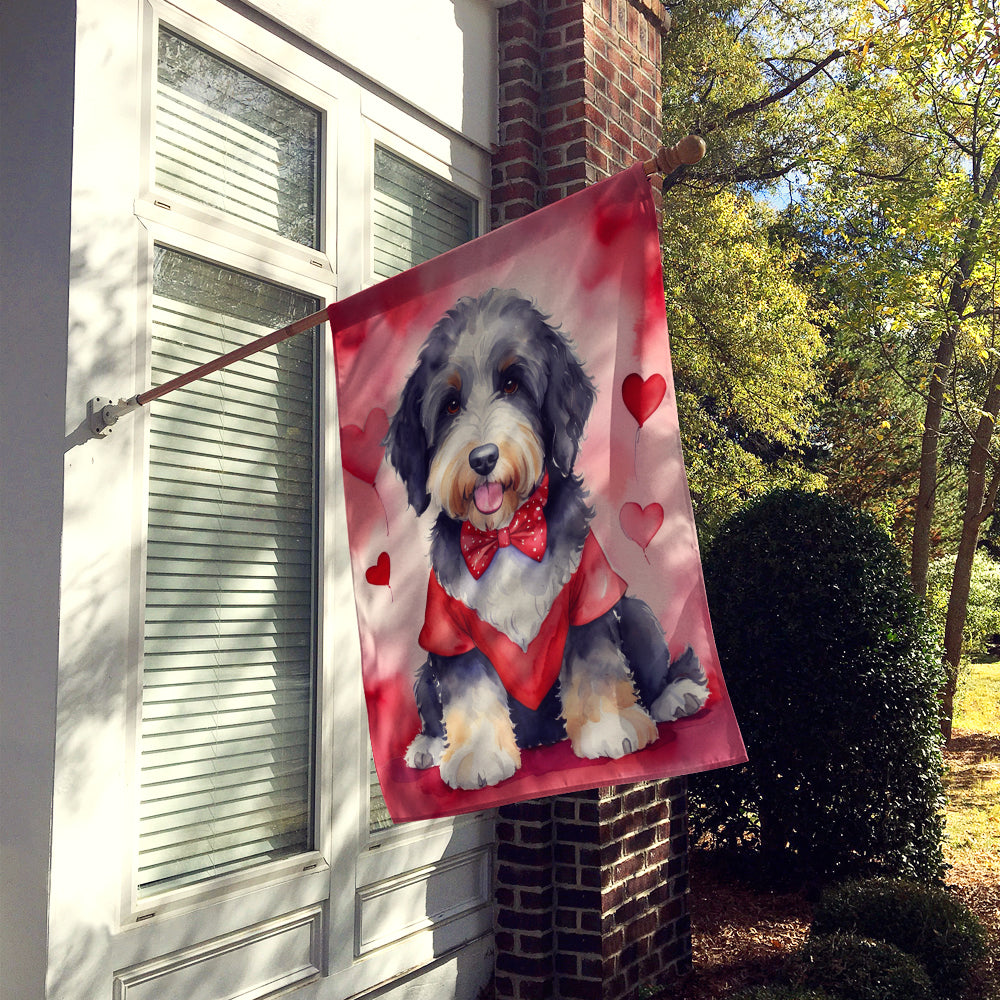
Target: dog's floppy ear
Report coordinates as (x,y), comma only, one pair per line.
(406,443)
(568,400)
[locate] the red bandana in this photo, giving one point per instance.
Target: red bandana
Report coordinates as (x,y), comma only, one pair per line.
(526,532)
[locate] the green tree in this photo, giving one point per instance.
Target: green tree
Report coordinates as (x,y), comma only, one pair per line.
(880,123)
(910,181)
(832,670)
(748,357)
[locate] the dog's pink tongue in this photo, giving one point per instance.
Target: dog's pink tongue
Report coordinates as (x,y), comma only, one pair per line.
(488,497)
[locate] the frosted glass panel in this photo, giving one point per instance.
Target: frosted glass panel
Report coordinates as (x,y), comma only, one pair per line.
(231,141)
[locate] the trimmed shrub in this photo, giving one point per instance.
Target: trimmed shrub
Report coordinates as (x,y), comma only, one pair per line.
(925,922)
(833,673)
(782,993)
(856,968)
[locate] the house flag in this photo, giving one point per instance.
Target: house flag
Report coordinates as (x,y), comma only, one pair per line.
(527,580)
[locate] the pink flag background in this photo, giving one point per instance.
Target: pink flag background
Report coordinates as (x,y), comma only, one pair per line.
(591,263)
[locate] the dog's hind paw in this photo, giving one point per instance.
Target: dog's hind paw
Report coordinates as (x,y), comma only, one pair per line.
(681,698)
(425,751)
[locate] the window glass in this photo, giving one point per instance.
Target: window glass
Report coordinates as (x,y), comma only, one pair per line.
(228,679)
(416,215)
(228,140)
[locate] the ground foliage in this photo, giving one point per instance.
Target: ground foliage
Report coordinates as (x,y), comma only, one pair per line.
(926,922)
(744,931)
(851,967)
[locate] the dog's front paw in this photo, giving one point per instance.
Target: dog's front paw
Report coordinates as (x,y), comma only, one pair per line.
(425,751)
(614,733)
(479,761)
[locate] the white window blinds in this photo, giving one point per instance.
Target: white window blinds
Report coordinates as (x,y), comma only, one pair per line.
(228,140)
(416,216)
(228,659)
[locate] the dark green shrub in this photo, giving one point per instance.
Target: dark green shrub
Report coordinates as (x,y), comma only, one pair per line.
(856,968)
(782,993)
(833,673)
(926,922)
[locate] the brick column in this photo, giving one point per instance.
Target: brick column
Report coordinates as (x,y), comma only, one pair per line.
(591,888)
(579,96)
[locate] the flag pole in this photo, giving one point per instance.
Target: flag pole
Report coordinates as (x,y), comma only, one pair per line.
(103,413)
(687,152)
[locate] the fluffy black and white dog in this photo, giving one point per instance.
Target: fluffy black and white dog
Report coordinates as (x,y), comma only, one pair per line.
(529,633)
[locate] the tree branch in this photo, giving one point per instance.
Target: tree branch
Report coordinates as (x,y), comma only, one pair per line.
(754,106)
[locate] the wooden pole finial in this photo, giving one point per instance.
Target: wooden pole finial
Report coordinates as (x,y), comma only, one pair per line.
(668,158)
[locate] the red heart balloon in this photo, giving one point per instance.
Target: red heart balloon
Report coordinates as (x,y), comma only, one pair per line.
(643,396)
(641,523)
(378,575)
(361,450)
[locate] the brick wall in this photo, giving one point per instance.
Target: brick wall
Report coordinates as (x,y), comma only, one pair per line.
(591,888)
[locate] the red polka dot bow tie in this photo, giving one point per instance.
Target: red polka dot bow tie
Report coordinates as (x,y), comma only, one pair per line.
(527,532)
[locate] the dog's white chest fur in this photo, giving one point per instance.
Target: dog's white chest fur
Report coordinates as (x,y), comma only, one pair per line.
(516,593)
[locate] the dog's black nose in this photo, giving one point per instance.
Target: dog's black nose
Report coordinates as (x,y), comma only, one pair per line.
(484,458)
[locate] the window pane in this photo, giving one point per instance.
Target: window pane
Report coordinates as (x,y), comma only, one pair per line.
(416,216)
(228,655)
(228,140)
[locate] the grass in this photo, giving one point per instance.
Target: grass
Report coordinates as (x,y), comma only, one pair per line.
(973,782)
(972,848)
(978,698)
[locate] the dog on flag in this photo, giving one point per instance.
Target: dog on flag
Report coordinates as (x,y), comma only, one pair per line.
(529,633)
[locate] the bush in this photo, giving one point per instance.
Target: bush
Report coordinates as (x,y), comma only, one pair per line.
(833,673)
(925,922)
(782,993)
(856,968)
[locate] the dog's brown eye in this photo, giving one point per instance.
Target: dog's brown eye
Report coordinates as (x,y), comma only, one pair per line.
(510,385)
(452,405)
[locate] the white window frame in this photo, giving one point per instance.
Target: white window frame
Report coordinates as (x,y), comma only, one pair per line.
(350,872)
(177,223)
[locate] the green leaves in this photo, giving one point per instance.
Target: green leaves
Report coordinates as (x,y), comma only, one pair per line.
(746,352)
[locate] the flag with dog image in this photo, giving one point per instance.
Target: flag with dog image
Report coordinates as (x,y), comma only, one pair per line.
(525,567)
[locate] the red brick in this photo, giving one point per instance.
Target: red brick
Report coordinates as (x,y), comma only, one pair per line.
(568,133)
(551,38)
(599,96)
(518,49)
(523,170)
(521,111)
(521,91)
(535,899)
(568,176)
(563,54)
(521,129)
(571,14)
(574,988)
